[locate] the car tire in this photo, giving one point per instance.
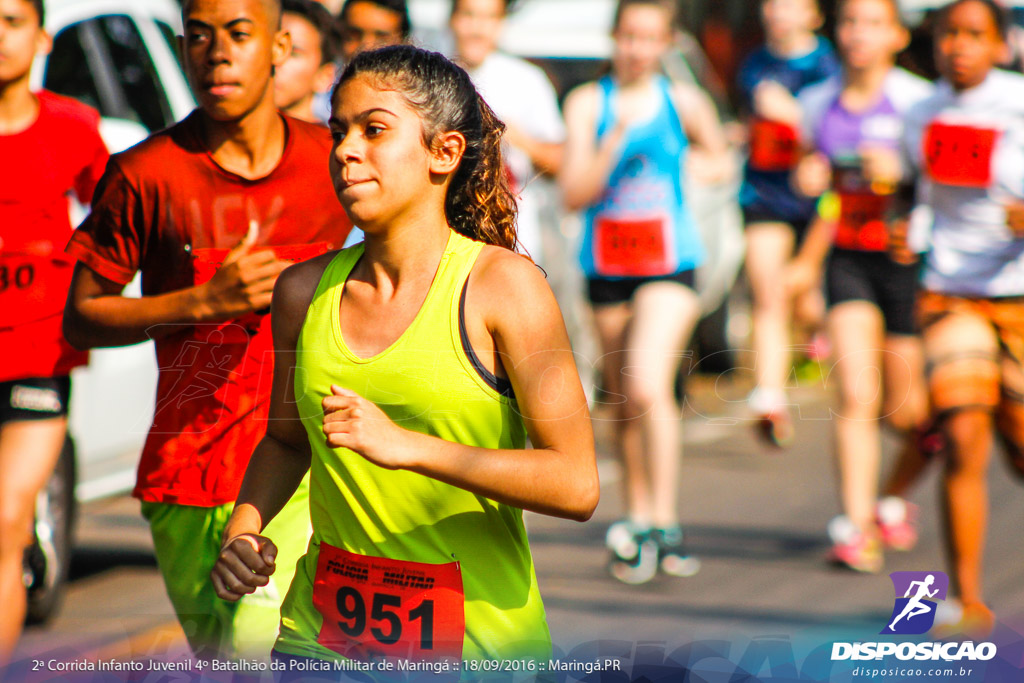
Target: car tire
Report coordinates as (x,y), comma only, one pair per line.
(48,559)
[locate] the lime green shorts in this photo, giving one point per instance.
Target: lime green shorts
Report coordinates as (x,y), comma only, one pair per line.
(187,542)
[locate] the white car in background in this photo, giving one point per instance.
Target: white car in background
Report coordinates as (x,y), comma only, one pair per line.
(118,56)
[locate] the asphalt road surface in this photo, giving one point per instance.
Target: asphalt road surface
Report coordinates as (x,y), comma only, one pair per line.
(755,517)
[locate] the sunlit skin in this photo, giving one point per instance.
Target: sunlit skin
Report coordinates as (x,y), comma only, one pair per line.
(366,25)
(303,74)
(226,55)
(393,183)
(641,38)
(869,33)
(640,338)
(21,40)
(968,45)
(877,373)
(790,24)
(476,26)
(379,163)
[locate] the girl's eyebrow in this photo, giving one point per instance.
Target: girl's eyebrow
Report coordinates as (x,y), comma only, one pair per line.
(335,121)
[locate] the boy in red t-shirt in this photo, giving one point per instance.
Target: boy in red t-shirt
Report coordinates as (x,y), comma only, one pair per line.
(210,211)
(50,146)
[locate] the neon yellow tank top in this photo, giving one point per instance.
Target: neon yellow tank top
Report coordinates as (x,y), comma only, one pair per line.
(426,382)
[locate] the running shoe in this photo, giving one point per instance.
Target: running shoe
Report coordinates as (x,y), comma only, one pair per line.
(621,538)
(777,428)
(774,423)
(819,349)
(897,523)
(853,548)
(931,440)
(672,556)
(972,621)
(634,561)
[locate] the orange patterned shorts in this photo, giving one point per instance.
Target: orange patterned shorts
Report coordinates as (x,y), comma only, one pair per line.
(969,368)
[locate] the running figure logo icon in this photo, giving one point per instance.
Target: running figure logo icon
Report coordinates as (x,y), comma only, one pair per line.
(914,612)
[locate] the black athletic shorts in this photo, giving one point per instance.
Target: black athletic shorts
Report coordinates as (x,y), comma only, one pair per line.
(751,215)
(34,398)
(607,291)
(873,276)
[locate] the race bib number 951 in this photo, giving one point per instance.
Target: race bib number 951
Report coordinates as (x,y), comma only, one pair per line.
(375,606)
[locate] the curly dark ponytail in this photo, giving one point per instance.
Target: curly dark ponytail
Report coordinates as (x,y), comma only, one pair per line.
(480,203)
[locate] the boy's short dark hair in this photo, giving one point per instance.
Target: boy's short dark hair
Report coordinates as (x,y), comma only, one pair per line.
(317,15)
(399,7)
(893,4)
(509,6)
(38,5)
(999,15)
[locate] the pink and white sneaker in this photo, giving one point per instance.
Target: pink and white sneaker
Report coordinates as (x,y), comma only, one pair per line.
(853,548)
(897,523)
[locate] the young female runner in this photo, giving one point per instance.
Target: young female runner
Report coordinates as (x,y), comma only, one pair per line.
(627,136)
(792,58)
(855,126)
(410,369)
(968,141)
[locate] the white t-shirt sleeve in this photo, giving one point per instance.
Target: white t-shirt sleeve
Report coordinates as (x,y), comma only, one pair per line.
(545,122)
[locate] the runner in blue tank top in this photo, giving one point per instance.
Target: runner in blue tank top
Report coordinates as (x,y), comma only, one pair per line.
(628,136)
(645,186)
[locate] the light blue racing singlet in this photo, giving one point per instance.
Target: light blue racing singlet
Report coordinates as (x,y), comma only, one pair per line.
(642,226)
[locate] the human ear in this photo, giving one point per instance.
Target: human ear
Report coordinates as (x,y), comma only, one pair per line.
(447,152)
(44,43)
(281,49)
(902,38)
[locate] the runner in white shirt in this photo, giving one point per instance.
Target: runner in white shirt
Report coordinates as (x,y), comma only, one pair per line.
(968,142)
(522,97)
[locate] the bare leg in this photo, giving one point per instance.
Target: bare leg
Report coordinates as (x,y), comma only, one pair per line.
(964,384)
(856,329)
(769,248)
(612,322)
(664,315)
(966,498)
(905,408)
(28,453)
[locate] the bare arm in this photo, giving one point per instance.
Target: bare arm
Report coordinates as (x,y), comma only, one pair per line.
(97,315)
(281,458)
(710,159)
(559,475)
(588,163)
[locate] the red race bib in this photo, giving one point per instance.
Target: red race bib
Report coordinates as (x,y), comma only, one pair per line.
(375,606)
(632,247)
(959,155)
(773,145)
(33,285)
(862,221)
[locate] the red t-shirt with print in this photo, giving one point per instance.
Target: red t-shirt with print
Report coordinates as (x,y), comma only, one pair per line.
(61,152)
(166,208)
